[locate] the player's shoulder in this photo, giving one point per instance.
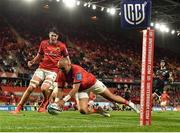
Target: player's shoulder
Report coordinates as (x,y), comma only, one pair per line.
(61,44)
(76,66)
(44,42)
(79,69)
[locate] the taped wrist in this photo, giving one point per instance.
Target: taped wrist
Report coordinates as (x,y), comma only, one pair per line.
(66,98)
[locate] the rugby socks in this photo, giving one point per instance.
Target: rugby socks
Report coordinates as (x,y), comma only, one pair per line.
(18,108)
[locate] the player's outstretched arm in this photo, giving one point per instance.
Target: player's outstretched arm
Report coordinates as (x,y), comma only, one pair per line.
(59,95)
(35,60)
(75,89)
(70,94)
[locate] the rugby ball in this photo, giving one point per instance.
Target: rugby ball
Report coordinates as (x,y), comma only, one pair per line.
(53,109)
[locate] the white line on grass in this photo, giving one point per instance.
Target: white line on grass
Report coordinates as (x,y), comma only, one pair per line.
(59,127)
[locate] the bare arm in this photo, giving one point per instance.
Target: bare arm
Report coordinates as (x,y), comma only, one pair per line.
(67,57)
(35,60)
(72,92)
(59,95)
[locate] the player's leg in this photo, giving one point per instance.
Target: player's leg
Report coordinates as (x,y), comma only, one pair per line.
(77,100)
(83,106)
(163,105)
(48,82)
(111,97)
(54,96)
(102,90)
(158,89)
(83,100)
(34,83)
(46,93)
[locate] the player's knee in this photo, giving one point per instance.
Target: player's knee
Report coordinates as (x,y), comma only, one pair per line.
(83,111)
(46,85)
(33,84)
(43,88)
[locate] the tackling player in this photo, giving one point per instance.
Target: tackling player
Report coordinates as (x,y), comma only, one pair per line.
(49,53)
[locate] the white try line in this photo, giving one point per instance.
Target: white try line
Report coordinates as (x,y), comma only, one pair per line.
(58,127)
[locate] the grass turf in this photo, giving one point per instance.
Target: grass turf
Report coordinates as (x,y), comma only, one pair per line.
(73,121)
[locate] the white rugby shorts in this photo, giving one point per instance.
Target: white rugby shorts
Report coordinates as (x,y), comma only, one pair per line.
(44,74)
(97,88)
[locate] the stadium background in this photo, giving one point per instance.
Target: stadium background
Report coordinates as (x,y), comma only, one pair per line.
(94,39)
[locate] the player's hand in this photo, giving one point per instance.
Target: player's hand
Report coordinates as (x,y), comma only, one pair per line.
(61,103)
(30,63)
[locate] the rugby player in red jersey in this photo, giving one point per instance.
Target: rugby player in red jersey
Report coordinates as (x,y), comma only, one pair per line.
(49,53)
(82,83)
(164,100)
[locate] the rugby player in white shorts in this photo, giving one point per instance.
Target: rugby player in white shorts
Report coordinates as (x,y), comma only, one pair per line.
(49,53)
(82,83)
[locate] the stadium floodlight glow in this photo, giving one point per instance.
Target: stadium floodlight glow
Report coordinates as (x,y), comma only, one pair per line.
(94,7)
(78,3)
(112,11)
(85,4)
(151,24)
(102,8)
(178,33)
(89,5)
(167,29)
(162,28)
(69,3)
(29,0)
(157,25)
(108,10)
(173,32)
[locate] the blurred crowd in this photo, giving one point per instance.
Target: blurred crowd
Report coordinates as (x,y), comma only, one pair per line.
(104,54)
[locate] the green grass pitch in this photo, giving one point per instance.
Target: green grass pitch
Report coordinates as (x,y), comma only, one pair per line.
(73,121)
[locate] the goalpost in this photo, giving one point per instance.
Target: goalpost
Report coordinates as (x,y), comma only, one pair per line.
(146,77)
(136,14)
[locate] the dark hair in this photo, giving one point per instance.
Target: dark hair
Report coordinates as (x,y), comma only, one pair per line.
(54,29)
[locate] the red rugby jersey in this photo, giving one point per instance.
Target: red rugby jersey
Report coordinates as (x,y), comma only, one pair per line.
(77,75)
(52,54)
(164,97)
